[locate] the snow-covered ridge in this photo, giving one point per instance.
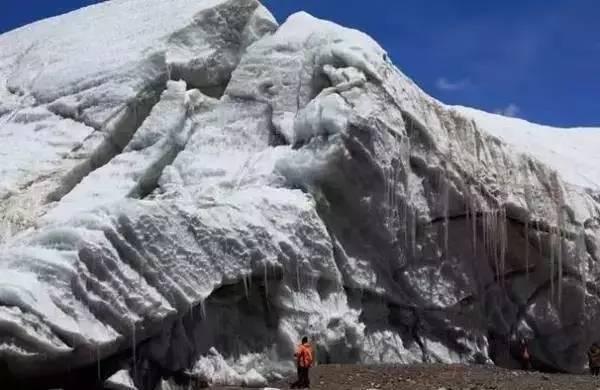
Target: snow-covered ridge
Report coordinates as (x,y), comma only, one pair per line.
(205,178)
(573,152)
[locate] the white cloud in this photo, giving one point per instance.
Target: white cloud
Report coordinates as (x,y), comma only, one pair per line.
(446,85)
(511,110)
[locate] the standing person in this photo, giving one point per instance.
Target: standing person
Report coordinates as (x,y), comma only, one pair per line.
(594,359)
(525,358)
(304,360)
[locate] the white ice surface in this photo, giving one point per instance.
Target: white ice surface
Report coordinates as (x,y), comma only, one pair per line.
(121,380)
(45,59)
(44,82)
(218,372)
(66,90)
(154,145)
(573,152)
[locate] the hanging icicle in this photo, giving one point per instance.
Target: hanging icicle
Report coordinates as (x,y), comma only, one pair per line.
(446,211)
(413,225)
(503,241)
(526,236)
(474,227)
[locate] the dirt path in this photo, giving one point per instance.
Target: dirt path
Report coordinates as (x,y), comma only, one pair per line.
(441,377)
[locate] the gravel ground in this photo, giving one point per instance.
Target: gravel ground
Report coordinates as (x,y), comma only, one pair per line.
(441,377)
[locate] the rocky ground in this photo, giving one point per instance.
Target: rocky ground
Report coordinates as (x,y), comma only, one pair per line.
(438,377)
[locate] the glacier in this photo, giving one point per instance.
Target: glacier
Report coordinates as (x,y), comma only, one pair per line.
(188,187)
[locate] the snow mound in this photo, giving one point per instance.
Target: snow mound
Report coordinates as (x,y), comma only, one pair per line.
(121,380)
(217,372)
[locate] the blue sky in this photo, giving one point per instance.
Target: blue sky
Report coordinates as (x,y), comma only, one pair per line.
(536,59)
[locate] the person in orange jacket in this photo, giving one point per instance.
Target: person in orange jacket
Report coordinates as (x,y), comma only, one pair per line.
(304,361)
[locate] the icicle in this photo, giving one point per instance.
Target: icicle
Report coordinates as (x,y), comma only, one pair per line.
(467,210)
(446,216)
(266,278)
(407,196)
(390,197)
(493,237)
(484,232)
(497,241)
(527,249)
(98,363)
(561,228)
(298,283)
(393,206)
(202,305)
(557,196)
(503,241)
(551,239)
(406,218)
(386,198)
(486,235)
(390,218)
(413,225)
(580,257)
(133,345)
(538,236)
(392,212)
(391,176)
(492,240)
(559,265)
(246,288)
(397,177)
(474,227)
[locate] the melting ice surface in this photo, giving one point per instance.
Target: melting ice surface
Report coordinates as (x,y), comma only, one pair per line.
(204,186)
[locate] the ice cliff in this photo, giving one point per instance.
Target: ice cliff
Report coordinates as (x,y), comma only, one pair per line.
(184,177)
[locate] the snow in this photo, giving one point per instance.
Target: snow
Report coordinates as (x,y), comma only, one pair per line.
(217,372)
(33,144)
(204,187)
(286,58)
(132,172)
(121,380)
(323,116)
(570,151)
(63,114)
(44,58)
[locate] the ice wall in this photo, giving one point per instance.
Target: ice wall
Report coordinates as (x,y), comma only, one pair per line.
(205,179)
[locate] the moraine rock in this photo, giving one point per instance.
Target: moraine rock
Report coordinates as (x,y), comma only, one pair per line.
(196,176)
